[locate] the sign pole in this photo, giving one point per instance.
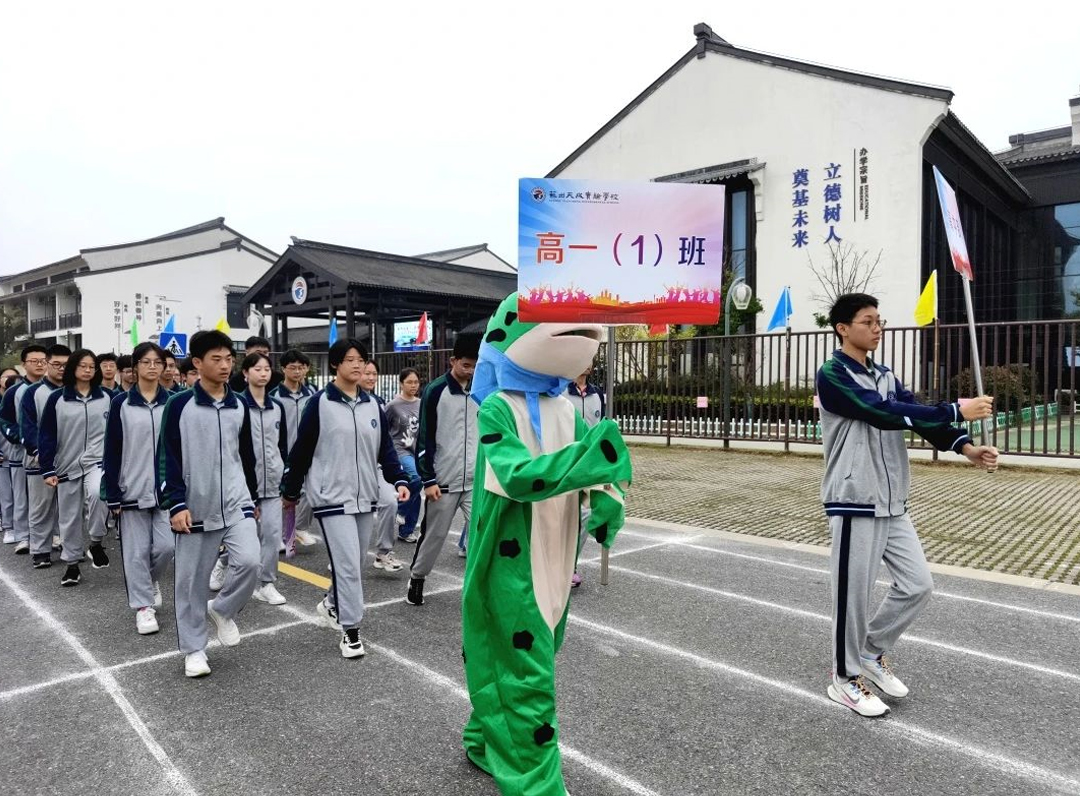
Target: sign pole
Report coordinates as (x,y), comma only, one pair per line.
(976,363)
(609,394)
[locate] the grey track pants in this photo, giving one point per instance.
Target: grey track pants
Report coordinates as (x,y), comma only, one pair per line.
(859,546)
(438,516)
(270,526)
(347,538)
(146,547)
(386,516)
(194,557)
(75,497)
(42,512)
(20,502)
(7,500)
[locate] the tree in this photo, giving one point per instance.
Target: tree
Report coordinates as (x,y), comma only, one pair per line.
(12,326)
(847,271)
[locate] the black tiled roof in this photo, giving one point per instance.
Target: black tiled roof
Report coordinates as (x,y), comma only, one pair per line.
(396,272)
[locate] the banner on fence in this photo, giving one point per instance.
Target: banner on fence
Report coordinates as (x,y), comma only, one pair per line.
(616,252)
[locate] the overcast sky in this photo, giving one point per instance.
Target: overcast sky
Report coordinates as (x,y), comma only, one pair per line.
(404,127)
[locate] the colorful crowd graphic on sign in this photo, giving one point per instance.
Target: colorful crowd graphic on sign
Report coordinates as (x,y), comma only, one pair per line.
(607,252)
(950,213)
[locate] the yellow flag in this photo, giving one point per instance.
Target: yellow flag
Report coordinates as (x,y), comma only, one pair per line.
(926,308)
(223,326)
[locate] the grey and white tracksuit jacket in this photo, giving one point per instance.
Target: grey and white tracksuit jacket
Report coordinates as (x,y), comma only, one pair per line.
(293,404)
(128,484)
(41,498)
(446,456)
(590,403)
(341,444)
(206,465)
(71,443)
(13,505)
(865,413)
(269,439)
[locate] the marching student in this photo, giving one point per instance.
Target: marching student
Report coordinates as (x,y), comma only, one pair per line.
(404,415)
(343,439)
(34,363)
(41,498)
(9,379)
(206,481)
(71,444)
(254,345)
(107,363)
(386,512)
(169,374)
(131,438)
(270,441)
(294,393)
(447,441)
(865,414)
(589,402)
(188,374)
(125,373)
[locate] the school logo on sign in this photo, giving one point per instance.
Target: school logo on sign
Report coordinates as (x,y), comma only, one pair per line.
(299,290)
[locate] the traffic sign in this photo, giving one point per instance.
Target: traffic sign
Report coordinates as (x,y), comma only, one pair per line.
(175,343)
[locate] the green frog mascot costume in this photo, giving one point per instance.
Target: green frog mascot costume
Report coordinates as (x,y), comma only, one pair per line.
(537,465)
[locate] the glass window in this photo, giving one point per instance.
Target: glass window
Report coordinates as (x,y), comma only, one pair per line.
(1068,215)
(738,233)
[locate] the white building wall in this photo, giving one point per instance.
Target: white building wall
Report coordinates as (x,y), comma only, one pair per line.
(191,289)
(720,109)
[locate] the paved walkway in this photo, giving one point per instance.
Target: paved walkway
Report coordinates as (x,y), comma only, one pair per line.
(1023,522)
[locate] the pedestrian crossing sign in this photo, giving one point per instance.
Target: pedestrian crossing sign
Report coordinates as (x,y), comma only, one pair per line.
(175,343)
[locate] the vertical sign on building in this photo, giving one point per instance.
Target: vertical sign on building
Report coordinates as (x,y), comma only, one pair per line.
(864,185)
(832,194)
(800,202)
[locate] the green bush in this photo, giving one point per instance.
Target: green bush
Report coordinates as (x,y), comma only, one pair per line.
(1013,386)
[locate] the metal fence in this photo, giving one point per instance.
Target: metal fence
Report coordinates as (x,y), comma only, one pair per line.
(675,388)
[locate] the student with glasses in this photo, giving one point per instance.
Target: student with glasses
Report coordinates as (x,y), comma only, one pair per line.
(34,364)
(131,437)
(40,497)
(71,446)
(294,393)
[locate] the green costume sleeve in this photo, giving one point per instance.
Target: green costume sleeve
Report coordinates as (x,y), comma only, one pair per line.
(600,456)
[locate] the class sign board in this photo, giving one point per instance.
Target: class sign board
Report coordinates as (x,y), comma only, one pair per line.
(620,252)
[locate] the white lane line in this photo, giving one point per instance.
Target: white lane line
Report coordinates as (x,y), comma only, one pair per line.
(825,618)
(999,762)
(451,685)
(87,674)
(822,571)
(172,775)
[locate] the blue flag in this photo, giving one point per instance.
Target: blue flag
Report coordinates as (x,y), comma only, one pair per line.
(782,314)
(333,331)
(170,325)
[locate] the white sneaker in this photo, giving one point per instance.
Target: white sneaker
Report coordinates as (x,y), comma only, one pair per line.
(22,547)
(328,615)
(196,665)
(227,631)
(157,594)
(350,645)
(217,577)
(146,621)
(306,538)
(388,562)
(9,537)
(268,593)
(461,552)
(880,674)
(57,543)
(412,538)
(855,694)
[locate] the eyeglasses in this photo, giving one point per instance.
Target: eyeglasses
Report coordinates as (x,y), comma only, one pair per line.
(36,361)
(151,363)
(58,364)
(871,324)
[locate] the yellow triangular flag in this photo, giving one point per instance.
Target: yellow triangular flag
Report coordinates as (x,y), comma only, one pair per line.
(223,326)
(926,308)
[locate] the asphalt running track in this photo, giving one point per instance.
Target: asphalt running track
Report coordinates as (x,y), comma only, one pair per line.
(701,669)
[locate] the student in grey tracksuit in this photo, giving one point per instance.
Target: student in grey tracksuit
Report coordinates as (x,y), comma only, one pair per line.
(41,498)
(294,393)
(385,528)
(206,481)
(865,414)
(344,438)
(71,445)
(446,458)
(270,441)
(34,362)
(128,484)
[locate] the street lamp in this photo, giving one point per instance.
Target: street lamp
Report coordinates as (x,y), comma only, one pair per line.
(740,294)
